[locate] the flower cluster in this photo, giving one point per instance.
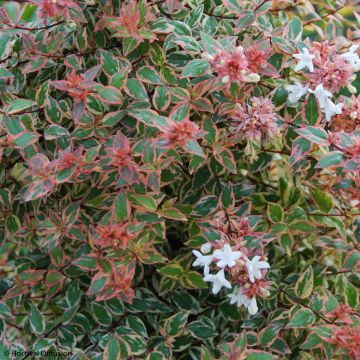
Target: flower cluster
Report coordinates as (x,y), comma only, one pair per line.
(327,72)
(234,268)
(257,121)
(233,66)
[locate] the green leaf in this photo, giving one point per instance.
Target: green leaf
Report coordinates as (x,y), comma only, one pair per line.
(101,315)
(322,199)
(305,283)
(173,213)
(201,330)
(136,89)
(136,342)
(312,111)
(259,355)
(37,322)
(313,341)
(122,207)
(195,68)
(205,206)
(109,94)
(54,131)
(86,262)
(295,29)
(144,201)
(137,325)
(19,105)
(352,260)
(275,212)
(193,147)
(314,134)
(302,318)
(246,18)
(5,74)
(333,158)
(5,311)
(173,271)
(149,75)
(175,324)
(53,111)
(25,139)
(161,98)
(268,336)
(193,280)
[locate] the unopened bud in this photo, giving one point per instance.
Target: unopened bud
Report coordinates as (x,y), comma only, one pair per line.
(253,77)
(353,115)
(225,79)
(205,248)
(352,89)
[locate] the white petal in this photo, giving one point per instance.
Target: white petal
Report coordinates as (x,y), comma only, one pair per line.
(216,287)
(253,308)
(263,265)
(251,276)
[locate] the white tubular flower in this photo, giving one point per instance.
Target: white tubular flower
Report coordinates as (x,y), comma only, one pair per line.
(330,109)
(254,267)
(218,281)
(305,60)
(238,298)
(352,57)
(202,260)
(226,257)
(296,92)
(321,94)
(252,308)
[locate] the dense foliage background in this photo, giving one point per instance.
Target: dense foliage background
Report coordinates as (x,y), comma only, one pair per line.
(143,141)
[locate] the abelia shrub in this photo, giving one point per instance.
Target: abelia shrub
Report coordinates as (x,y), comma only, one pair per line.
(179,179)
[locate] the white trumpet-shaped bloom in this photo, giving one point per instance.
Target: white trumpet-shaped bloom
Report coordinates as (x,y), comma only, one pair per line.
(352,57)
(305,60)
(239,298)
(226,257)
(330,109)
(202,260)
(218,280)
(296,92)
(321,94)
(254,267)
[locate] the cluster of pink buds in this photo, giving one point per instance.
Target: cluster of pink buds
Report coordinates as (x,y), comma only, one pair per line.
(326,72)
(234,269)
(232,66)
(257,121)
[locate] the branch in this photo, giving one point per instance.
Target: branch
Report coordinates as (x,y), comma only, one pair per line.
(35,29)
(332,12)
(300,302)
